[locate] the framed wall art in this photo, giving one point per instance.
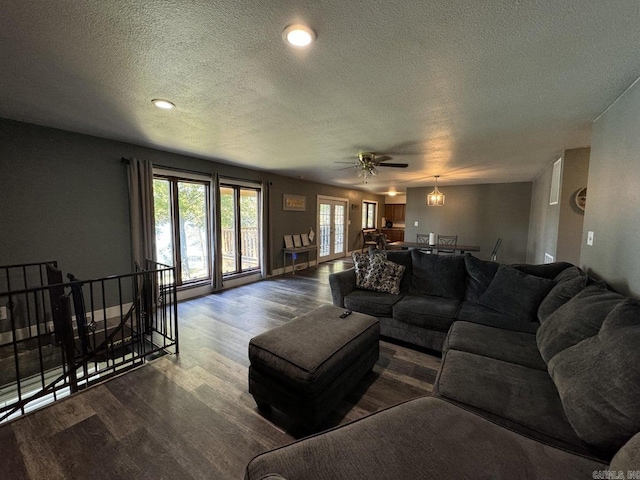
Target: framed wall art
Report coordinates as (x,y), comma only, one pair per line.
(296,203)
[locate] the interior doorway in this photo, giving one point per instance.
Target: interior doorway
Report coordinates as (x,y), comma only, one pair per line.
(332,228)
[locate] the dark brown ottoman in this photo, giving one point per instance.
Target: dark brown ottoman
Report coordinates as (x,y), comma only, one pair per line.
(305,367)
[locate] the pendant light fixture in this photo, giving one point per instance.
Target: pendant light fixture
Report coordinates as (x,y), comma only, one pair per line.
(435,198)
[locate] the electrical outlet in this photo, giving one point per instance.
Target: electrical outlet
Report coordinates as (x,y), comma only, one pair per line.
(415,224)
(590,238)
(3,313)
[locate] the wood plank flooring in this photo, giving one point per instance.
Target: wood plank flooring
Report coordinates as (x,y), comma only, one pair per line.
(191,416)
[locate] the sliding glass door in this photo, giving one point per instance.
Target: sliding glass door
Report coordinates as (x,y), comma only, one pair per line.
(182,227)
(240,209)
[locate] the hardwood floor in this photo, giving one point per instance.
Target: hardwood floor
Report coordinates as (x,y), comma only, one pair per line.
(190,416)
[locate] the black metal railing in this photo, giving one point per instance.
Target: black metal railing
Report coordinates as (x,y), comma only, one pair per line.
(60,337)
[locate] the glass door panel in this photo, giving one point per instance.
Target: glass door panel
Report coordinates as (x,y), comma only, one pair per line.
(249,229)
(164,227)
(228,224)
(325,229)
(193,228)
(338,222)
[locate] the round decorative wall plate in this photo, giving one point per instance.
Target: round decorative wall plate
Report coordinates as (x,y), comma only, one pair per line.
(581,198)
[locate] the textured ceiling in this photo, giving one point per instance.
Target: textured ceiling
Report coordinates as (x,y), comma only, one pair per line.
(476,91)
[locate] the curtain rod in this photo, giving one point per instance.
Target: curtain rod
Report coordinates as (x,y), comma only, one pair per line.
(175,169)
(225,177)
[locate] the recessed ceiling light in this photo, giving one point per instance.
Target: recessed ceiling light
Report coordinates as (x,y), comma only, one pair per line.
(392,193)
(160,103)
(298,35)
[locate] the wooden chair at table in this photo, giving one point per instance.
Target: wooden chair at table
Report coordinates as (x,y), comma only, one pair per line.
(370,238)
(447,240)
(423,238)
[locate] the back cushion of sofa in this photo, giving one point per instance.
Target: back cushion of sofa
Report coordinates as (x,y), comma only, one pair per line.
(515,293)
(569,283)
(479,276)
(545,270)
(579,318)
(439,275)
(402,257)
(599,380)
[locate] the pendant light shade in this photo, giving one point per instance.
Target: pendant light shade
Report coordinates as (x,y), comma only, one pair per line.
(435,198)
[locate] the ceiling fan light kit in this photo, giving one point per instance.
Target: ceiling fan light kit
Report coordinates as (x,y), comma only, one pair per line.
(436,197)
(367,163)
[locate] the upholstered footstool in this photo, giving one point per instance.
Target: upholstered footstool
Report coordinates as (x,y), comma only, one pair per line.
(305,367)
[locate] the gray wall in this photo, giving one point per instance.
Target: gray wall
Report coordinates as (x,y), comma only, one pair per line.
(575,174)
(557,229)
(288,222)
(478,214)
(64,196)
(543,220)
(613,200)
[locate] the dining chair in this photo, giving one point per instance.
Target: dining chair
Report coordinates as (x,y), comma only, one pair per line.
(423,238)
(450,240)
(494,253)
(370,238)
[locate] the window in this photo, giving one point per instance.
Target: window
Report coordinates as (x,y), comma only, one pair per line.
(369,214)
(182,225)
(240,213)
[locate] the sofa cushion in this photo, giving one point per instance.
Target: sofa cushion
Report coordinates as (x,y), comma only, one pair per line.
(515,293)
(599,380)
(513,347)
(372,303)
(569,283)
(438,275)
(383,276)
(522,395)
(420,439)
(473,312)
(425,311)
(628,457)
(479,276)
(545,270)
(579,318)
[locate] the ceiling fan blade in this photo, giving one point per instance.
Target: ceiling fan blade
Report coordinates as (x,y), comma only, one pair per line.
(396,165)
(383,158)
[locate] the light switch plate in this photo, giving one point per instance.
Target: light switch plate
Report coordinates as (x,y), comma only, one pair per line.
(415,224)
(590,238)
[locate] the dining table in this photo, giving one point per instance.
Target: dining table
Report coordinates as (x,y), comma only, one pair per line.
(456,248)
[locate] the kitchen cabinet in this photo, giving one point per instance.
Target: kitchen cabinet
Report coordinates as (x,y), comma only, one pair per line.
(395,212)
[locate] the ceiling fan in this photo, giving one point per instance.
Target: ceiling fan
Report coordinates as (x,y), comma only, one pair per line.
(368,161)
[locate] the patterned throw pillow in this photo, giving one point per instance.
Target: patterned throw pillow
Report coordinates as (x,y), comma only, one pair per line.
(361,263)
(383,276)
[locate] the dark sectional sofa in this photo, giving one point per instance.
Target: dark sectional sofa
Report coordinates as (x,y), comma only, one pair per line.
(542,382)
(437,290)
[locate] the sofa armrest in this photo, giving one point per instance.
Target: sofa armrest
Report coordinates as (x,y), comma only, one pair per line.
(342,283)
